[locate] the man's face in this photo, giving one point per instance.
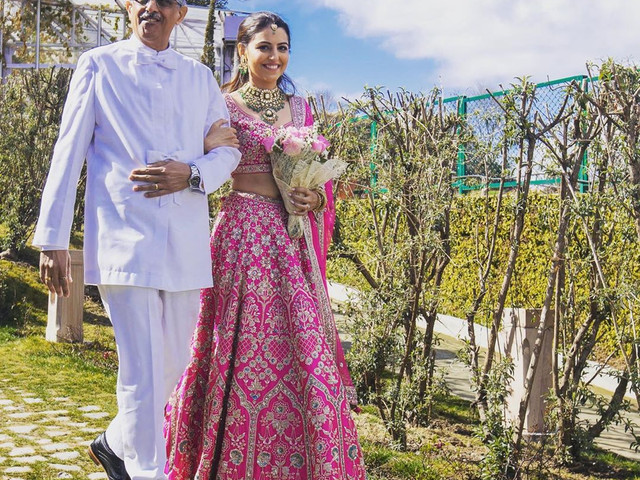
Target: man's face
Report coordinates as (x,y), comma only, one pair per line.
(153,20)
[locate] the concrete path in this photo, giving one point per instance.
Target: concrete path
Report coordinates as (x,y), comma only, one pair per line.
(458,379)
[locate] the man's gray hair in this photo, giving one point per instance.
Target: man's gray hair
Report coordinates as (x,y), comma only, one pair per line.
(182,3)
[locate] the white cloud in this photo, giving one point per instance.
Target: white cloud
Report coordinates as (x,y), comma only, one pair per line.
(491,41)
(309,87)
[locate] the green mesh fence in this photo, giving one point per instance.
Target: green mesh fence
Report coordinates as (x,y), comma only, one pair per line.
(479,162)
(479,159)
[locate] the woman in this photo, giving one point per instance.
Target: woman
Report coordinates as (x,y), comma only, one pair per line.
(267,394)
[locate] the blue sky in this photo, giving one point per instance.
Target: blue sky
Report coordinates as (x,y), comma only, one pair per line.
(463,46)
(325,56)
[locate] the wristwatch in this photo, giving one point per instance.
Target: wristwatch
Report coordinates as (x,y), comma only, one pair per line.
(195,179)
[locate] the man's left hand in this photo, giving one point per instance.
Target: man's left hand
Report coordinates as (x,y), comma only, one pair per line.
(161,178)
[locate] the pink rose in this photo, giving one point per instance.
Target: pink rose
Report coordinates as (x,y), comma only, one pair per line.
(297,133)
(268,143)
(292,146)
(320,144)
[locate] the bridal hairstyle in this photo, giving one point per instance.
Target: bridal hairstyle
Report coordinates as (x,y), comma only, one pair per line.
(250,26)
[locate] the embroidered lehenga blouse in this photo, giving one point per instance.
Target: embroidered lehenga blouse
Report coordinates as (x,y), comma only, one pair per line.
(267,394)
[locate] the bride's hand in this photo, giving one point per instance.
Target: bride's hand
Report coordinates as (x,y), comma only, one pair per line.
(220,135)
(305,200)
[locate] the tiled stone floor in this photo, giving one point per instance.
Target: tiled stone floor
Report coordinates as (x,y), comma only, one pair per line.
(33,433)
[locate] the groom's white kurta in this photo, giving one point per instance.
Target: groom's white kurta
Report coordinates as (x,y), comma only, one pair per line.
(129,105)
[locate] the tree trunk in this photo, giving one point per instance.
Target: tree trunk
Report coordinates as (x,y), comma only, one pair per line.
(519,223)
(570,178)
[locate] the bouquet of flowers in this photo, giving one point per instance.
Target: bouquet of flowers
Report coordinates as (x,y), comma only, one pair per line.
(299,159)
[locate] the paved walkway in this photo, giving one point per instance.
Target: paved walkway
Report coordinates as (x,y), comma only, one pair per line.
(458,376)
(458,379)
(35,438)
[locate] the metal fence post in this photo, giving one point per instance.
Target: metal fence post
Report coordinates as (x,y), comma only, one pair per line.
(373,138)
(583,178)
(100,27)
(461,167)
(38,36)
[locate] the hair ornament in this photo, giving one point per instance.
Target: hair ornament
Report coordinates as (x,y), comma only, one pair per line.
(274,27)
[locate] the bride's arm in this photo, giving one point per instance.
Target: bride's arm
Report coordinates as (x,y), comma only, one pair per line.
(220,135)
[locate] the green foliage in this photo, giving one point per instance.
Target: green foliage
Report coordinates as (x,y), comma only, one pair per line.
(30,111)
(19,25)
(496,431)
(22,298)
(61,26)
(208,50)
(396,237)
(403,214)
(468,233)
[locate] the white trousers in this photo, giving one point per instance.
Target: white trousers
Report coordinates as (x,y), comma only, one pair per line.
(153,330)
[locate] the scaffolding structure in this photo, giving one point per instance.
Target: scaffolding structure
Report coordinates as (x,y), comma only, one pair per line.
(100,22)
(89,26)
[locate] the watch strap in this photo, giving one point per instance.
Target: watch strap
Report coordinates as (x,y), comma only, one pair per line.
(195,179)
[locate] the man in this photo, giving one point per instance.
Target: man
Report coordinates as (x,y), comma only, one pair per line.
(138,112)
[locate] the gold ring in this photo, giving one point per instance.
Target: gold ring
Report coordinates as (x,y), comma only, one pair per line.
(48,279)
(63,277)
(157,186)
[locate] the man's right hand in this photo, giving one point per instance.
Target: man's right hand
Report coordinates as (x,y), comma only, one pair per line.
(220,135)
(55,271)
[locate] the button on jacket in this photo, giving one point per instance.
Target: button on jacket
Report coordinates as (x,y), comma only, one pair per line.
(127,106)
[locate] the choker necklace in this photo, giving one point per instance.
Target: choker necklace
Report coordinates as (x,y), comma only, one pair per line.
(264,102)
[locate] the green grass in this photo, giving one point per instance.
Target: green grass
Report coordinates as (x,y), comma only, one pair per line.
(85,374)
(66,377)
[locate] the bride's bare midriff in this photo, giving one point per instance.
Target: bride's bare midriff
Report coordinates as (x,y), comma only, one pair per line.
(260,183)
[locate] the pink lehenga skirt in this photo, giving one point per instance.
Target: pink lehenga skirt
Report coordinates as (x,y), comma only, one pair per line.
(264,396)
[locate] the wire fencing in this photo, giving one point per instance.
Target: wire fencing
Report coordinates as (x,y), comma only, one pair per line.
(479,162)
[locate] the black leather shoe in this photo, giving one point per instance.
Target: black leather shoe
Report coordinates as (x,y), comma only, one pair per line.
(101,454)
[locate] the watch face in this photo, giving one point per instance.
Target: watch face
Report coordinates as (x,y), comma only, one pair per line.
(194,179)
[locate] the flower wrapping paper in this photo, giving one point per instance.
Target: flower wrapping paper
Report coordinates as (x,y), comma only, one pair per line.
(298,159)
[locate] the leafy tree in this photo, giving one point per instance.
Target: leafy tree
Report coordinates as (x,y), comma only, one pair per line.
(18,24)
(398,238)
(31,104)
(573,255)
(209,51)
(18,28)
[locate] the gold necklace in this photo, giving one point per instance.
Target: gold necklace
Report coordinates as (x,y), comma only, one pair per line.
(264,102)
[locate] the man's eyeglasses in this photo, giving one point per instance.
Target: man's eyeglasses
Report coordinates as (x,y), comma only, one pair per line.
(162,3)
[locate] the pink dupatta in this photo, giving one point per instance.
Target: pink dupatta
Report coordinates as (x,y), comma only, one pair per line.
(322,231)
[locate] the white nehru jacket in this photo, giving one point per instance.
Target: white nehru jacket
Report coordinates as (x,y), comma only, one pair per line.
(129,105)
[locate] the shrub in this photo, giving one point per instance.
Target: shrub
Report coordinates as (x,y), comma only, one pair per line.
(31,105)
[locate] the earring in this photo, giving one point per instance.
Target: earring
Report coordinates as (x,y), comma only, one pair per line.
(243,69)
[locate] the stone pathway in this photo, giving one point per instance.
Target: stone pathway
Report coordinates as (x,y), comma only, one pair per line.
(47,439)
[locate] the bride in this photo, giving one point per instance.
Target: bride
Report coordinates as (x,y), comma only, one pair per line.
(267,394)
